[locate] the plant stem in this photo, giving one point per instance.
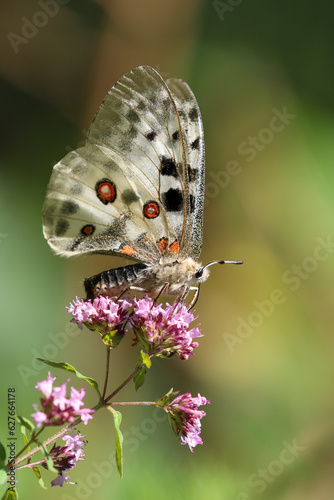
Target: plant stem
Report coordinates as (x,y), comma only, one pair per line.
(138,403)
(119,388)
(107,373)
(52,439)
(101,403)
(30,442)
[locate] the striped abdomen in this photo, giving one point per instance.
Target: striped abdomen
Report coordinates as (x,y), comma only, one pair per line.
(113,282)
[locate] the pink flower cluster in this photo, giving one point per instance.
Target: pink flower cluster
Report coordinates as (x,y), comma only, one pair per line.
(185,418)
(57,408)
(65,457)
(164,330)
(103,315)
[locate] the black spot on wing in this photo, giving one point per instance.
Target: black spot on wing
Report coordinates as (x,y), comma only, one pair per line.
(151,135)
(192,174)
(61,227)
(195,144)
(192,203)
(80,168)
(129,196)
(175,136)
(76,188)
(69,207)
(172,200)
(133,116)
(167,103)
(110,166)
(168,167)
(193,115)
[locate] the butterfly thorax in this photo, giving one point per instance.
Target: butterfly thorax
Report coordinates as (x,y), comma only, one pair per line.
(175,278)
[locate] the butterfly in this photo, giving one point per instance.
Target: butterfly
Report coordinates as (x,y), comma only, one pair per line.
(135,189)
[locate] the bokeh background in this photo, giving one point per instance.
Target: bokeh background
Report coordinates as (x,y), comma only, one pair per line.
(263,74)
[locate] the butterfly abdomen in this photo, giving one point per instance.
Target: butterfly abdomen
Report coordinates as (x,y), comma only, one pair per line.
(113,282)
(174,278)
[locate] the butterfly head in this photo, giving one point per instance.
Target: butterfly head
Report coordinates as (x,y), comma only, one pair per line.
(202,274)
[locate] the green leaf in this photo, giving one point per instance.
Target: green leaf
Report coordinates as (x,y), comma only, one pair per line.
(119,440)
(173,424)
(112,339)
(139,379)
(3,474)
(167,398)
(10,495)
(2,453)
(39,477)
(145,359)
(25,424)
(48,459)
(70,368)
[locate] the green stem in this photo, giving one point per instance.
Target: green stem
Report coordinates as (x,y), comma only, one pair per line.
(52,439)
(132,403)
(100,404)
(119,388)
(107,373)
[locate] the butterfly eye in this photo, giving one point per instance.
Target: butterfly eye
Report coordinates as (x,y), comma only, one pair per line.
(199,273)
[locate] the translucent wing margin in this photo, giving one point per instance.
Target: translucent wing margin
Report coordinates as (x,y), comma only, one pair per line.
(193,139)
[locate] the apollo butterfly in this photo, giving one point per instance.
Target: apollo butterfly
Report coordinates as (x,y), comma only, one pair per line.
(135,189)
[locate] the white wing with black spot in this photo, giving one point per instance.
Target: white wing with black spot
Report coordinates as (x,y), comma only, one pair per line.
(193,139)
(135,188)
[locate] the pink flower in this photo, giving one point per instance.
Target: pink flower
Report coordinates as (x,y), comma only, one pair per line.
(57,408)
(65,457)
(45,386)
(164,330)
(185,418)
(104,315)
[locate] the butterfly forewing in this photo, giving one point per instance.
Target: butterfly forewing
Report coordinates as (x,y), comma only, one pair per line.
(136,187)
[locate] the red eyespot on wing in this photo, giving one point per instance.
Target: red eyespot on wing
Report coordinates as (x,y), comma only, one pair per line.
(163,244)
(106,191)
(87,230)
(174,247)
(151,210)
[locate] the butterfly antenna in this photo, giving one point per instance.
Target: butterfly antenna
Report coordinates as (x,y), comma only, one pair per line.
(237,262)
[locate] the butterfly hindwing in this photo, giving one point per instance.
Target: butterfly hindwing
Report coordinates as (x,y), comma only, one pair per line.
(132,189)
(193,138)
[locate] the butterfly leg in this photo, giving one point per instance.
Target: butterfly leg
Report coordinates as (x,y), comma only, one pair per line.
(137,289)
(163,288)
(184,293)
(123,292)
(182,296)
(195,297)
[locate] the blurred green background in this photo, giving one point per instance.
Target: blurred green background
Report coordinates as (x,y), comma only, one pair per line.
(263,74)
